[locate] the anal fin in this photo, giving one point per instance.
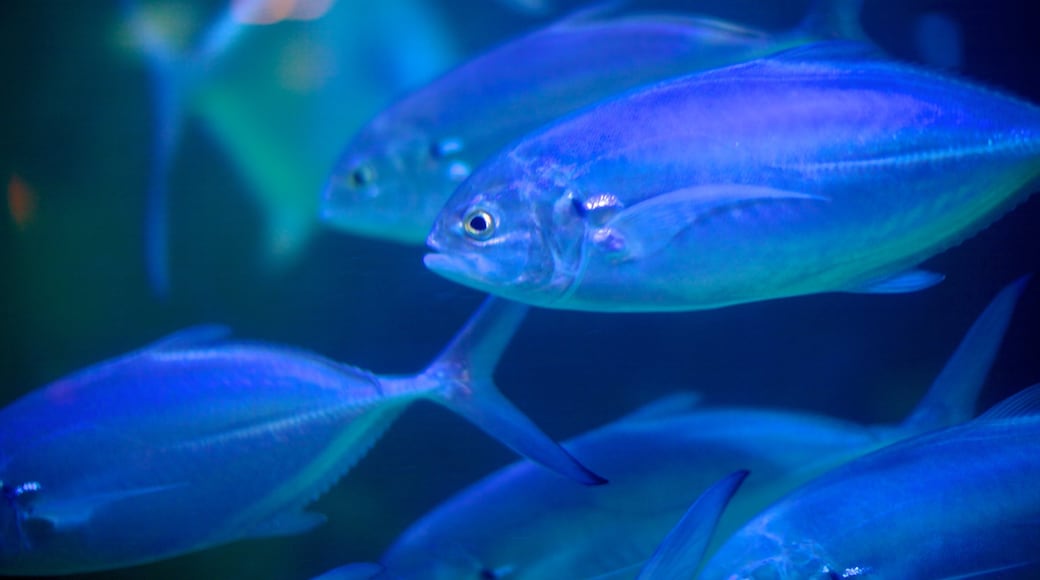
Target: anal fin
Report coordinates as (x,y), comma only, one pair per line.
(905,282)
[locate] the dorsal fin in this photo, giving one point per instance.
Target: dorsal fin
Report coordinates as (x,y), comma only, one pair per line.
(589,14)
(191,336)
(681,551)
(951,398)
(831,51)
(666,406)
(1025,403)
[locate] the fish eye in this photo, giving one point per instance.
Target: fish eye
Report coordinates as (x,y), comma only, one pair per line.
(479,224)
(362,176)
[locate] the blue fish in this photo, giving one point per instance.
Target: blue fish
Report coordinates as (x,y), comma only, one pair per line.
(521,522)
(827,168)
(396,174)
(188,443)
(957,503)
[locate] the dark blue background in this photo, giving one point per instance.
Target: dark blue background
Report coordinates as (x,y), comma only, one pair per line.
(76,122)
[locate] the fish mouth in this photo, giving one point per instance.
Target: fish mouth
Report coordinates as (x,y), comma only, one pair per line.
(454,268)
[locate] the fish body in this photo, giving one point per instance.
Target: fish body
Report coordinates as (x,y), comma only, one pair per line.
(957,503)
(825,168)
(520,522)
(168,450)
(393,178)
(189,444)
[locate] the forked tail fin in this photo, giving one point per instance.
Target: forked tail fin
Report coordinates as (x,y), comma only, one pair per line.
(173,73)
(461,379)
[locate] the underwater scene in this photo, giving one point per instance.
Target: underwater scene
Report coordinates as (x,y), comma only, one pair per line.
(701,288)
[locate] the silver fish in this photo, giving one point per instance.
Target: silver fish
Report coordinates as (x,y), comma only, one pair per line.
(826,168)
(188,444)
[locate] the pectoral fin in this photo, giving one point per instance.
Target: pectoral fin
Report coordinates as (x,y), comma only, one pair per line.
(649,226)
(78,511)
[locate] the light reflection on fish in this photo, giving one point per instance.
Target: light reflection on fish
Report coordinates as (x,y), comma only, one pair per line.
(395,175)
(189,444)
(521,522)
(826,168)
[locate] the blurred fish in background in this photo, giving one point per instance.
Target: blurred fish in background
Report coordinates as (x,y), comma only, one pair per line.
(395,175)
(276,83)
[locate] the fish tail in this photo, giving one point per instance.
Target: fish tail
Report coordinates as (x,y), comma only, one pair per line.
(680,553)
(954,393)
(462,381)
(173,75)
(161,59)
(833,19)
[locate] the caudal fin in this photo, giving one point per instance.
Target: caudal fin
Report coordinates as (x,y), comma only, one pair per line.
(460,379)
(680,554)
(952,396)
(173,73)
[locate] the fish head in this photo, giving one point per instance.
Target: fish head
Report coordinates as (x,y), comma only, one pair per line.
(19,531)
(511,232)
(391,180)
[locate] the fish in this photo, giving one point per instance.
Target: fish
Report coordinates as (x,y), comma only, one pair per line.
(280,123)
(520,522)
(196,441)
(397,172)
(961,502)
(826,168)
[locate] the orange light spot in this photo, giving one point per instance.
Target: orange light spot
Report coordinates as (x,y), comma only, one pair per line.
(21,201)
(261,11)
(311,9)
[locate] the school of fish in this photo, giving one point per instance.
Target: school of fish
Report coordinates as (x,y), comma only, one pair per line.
(611,162)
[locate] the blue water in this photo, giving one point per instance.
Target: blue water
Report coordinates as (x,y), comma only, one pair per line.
(77,122)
